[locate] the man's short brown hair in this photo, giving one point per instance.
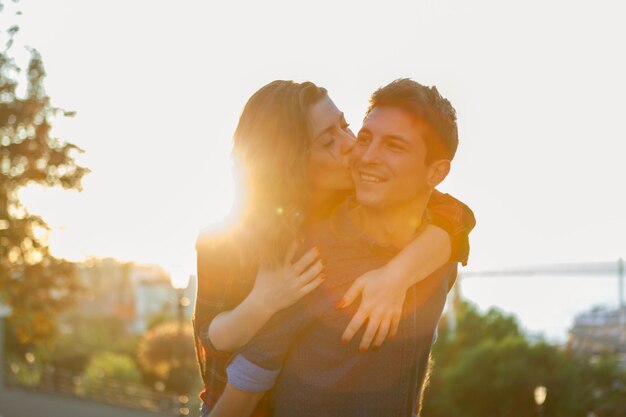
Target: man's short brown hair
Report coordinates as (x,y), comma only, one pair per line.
(427,104)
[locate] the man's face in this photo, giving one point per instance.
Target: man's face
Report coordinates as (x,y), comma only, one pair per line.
(388,161)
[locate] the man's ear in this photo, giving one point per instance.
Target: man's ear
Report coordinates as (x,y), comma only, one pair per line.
(437,171)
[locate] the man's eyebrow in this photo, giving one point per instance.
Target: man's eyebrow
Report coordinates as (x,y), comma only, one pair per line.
(396,138)
(393,138)
(331,127)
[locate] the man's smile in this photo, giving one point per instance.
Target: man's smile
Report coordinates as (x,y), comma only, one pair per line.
(371,177)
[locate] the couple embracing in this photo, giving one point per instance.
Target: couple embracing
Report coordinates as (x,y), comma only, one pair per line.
(323,298)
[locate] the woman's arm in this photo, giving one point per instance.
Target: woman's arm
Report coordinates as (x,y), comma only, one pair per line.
(235,403)
(383,290)
(457,219)
(273,290)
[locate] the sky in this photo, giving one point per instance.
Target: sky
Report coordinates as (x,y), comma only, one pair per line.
(158,87)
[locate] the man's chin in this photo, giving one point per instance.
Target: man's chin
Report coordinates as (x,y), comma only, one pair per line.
(370,200)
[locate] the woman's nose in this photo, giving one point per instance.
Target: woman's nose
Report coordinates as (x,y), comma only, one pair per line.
(347,142)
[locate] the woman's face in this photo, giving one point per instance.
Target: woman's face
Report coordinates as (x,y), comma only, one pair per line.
(330,148)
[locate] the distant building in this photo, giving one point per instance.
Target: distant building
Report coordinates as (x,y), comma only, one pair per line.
(152,298)
(131,292)
(108,289)
(600,331)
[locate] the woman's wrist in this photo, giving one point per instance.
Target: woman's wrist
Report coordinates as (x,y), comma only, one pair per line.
(248,317)
(400,278)
(258,305)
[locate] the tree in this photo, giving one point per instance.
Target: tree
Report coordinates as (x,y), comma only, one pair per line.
(605,379)
(167,354)
(487,367)
(110,367)
(84,338)
(34,283)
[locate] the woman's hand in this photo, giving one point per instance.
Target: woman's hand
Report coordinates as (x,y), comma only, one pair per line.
(383,290)
(382,297)
(277,288)
(274,289)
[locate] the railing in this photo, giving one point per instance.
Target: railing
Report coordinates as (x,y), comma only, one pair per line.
(49,380)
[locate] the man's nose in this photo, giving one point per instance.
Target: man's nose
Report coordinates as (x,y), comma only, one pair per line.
(371,153)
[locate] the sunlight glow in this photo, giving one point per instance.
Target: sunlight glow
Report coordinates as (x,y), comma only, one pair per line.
(158,144)
(179,276)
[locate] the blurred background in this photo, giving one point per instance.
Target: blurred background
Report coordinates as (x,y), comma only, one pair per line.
(115,126)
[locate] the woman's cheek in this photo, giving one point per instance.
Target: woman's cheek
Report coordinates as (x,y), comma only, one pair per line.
(317,169)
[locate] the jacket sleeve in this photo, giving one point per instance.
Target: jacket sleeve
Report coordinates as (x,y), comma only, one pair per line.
(457,219)
(221,287)
(258,364)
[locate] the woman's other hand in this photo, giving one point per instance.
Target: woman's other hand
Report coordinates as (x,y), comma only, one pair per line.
(382,297)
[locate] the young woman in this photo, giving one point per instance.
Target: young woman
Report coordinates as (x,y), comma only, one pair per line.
(292,146)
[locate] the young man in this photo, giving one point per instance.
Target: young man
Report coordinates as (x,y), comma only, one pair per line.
(403,151)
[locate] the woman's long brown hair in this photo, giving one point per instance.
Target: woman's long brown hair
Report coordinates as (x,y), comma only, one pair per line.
(271,152)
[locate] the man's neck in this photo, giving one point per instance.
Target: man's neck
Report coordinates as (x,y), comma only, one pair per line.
(391,225)
(322,203)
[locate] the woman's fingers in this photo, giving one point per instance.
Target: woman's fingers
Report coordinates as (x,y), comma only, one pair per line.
(383,331)
(353,327)
(353,292)
(370,332)
(311,286)
(312,272)
(395,324)
(379,327)
(305,260)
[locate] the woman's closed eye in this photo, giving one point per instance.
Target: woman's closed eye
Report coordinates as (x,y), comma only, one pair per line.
(328,142)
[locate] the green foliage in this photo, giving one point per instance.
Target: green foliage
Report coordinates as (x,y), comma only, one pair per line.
(97,333)
(167,354)
(35,284)
(108,367)
(85,337)
(23,372)
(157,319)
(606,382)
(487,367)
